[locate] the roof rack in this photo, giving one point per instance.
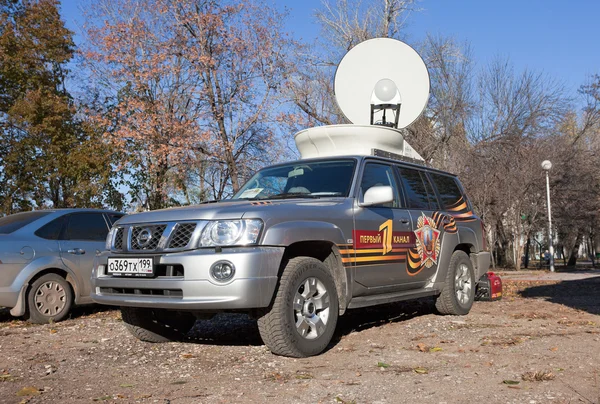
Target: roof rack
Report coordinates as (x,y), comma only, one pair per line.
(395,156)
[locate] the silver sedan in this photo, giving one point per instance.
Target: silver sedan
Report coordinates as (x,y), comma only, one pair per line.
(46,259)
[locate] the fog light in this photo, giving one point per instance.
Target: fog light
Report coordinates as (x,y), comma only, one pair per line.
(222,271)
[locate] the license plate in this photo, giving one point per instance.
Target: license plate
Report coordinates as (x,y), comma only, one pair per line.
(143,266)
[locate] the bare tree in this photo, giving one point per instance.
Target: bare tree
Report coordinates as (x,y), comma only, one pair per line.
(344,24)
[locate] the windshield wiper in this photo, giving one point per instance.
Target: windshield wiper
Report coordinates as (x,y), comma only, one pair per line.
(294,195)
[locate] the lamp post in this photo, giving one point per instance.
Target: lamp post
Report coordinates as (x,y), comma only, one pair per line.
(547,165)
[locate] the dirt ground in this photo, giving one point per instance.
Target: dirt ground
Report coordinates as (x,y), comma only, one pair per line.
(540,344)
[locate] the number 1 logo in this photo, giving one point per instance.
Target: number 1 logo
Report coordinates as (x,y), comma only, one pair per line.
(386,227)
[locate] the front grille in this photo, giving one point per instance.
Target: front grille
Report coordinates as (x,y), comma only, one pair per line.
(119,238)
(182,235)
(153,231)
(146,238)
(172,293)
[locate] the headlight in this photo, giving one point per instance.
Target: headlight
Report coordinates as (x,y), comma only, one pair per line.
(109,238)
(231,232)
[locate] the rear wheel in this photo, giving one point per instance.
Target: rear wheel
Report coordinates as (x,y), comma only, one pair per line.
(302,319)
(49,298)
(155,325)
(459,291)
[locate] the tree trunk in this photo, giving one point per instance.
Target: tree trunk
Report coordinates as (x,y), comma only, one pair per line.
(574,251)
(526,263)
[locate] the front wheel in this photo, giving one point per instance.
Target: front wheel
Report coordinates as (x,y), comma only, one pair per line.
(155,325)
(459,291)
(303,317)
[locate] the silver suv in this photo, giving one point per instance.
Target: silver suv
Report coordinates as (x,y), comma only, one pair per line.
(296,247)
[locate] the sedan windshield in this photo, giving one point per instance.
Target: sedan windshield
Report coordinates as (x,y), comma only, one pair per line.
(300,180)
(11,223)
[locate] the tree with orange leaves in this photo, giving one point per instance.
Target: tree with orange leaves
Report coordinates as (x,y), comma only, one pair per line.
(193,87)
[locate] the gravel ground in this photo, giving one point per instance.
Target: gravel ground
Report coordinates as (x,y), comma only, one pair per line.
(540,344)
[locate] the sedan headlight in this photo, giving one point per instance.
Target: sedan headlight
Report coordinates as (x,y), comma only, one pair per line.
(231,232)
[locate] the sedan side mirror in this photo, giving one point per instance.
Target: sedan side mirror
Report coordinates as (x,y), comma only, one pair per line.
(378,195)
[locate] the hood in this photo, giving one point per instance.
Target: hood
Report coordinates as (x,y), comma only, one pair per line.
(234,209)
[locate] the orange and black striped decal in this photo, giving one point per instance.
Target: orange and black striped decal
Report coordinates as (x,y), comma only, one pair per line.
(460,211)
(372,256)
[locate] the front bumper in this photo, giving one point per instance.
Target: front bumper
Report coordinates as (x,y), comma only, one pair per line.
(252,286)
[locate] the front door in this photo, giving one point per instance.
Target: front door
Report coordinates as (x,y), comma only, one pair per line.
(382,237)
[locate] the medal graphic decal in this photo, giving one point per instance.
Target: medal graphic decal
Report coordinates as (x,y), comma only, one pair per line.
(428,241)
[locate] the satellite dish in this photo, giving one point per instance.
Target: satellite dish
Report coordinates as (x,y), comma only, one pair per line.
(382,74)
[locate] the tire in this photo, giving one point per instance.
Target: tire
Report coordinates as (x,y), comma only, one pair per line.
(303,316)
(49,299)
(459,291)
(155,325)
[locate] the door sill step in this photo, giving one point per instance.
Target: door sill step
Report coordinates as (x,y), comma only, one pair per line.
(372,300)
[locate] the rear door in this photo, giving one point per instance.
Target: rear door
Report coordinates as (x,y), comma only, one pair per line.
(84,235)
(424,209)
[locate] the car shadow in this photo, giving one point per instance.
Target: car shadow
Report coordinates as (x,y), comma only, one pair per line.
(581,294)
(76,312)
(241,330)
(226,329)
(356,320)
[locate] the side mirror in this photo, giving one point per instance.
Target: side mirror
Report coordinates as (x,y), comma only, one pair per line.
(378,195)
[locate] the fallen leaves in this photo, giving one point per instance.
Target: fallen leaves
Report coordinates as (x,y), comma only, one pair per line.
(341,400)
(7,377)
(538,376)
(302,375)
(511,382)
(422,347)
(425,348)
(29,391)
(277,377)
(502,341)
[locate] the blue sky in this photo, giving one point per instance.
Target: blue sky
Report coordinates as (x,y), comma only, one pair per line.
(559,38)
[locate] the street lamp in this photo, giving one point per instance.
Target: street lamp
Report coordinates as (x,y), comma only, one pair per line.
(547,165)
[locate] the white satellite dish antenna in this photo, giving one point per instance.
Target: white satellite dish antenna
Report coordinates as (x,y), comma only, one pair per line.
(382,81)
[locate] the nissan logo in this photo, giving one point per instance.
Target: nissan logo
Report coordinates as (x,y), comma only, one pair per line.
(144,237)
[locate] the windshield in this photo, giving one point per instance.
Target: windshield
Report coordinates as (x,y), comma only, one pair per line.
(300,180)
(11,223)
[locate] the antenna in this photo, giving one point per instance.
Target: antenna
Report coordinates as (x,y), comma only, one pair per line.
(382,81)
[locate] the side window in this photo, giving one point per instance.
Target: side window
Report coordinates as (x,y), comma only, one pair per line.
(86,226)
(433,201)
(113,217)
(448,189)
(52,230)
(379,174)
(414,188)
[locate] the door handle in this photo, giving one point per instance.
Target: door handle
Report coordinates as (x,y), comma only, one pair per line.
(404,221)
(76,251)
